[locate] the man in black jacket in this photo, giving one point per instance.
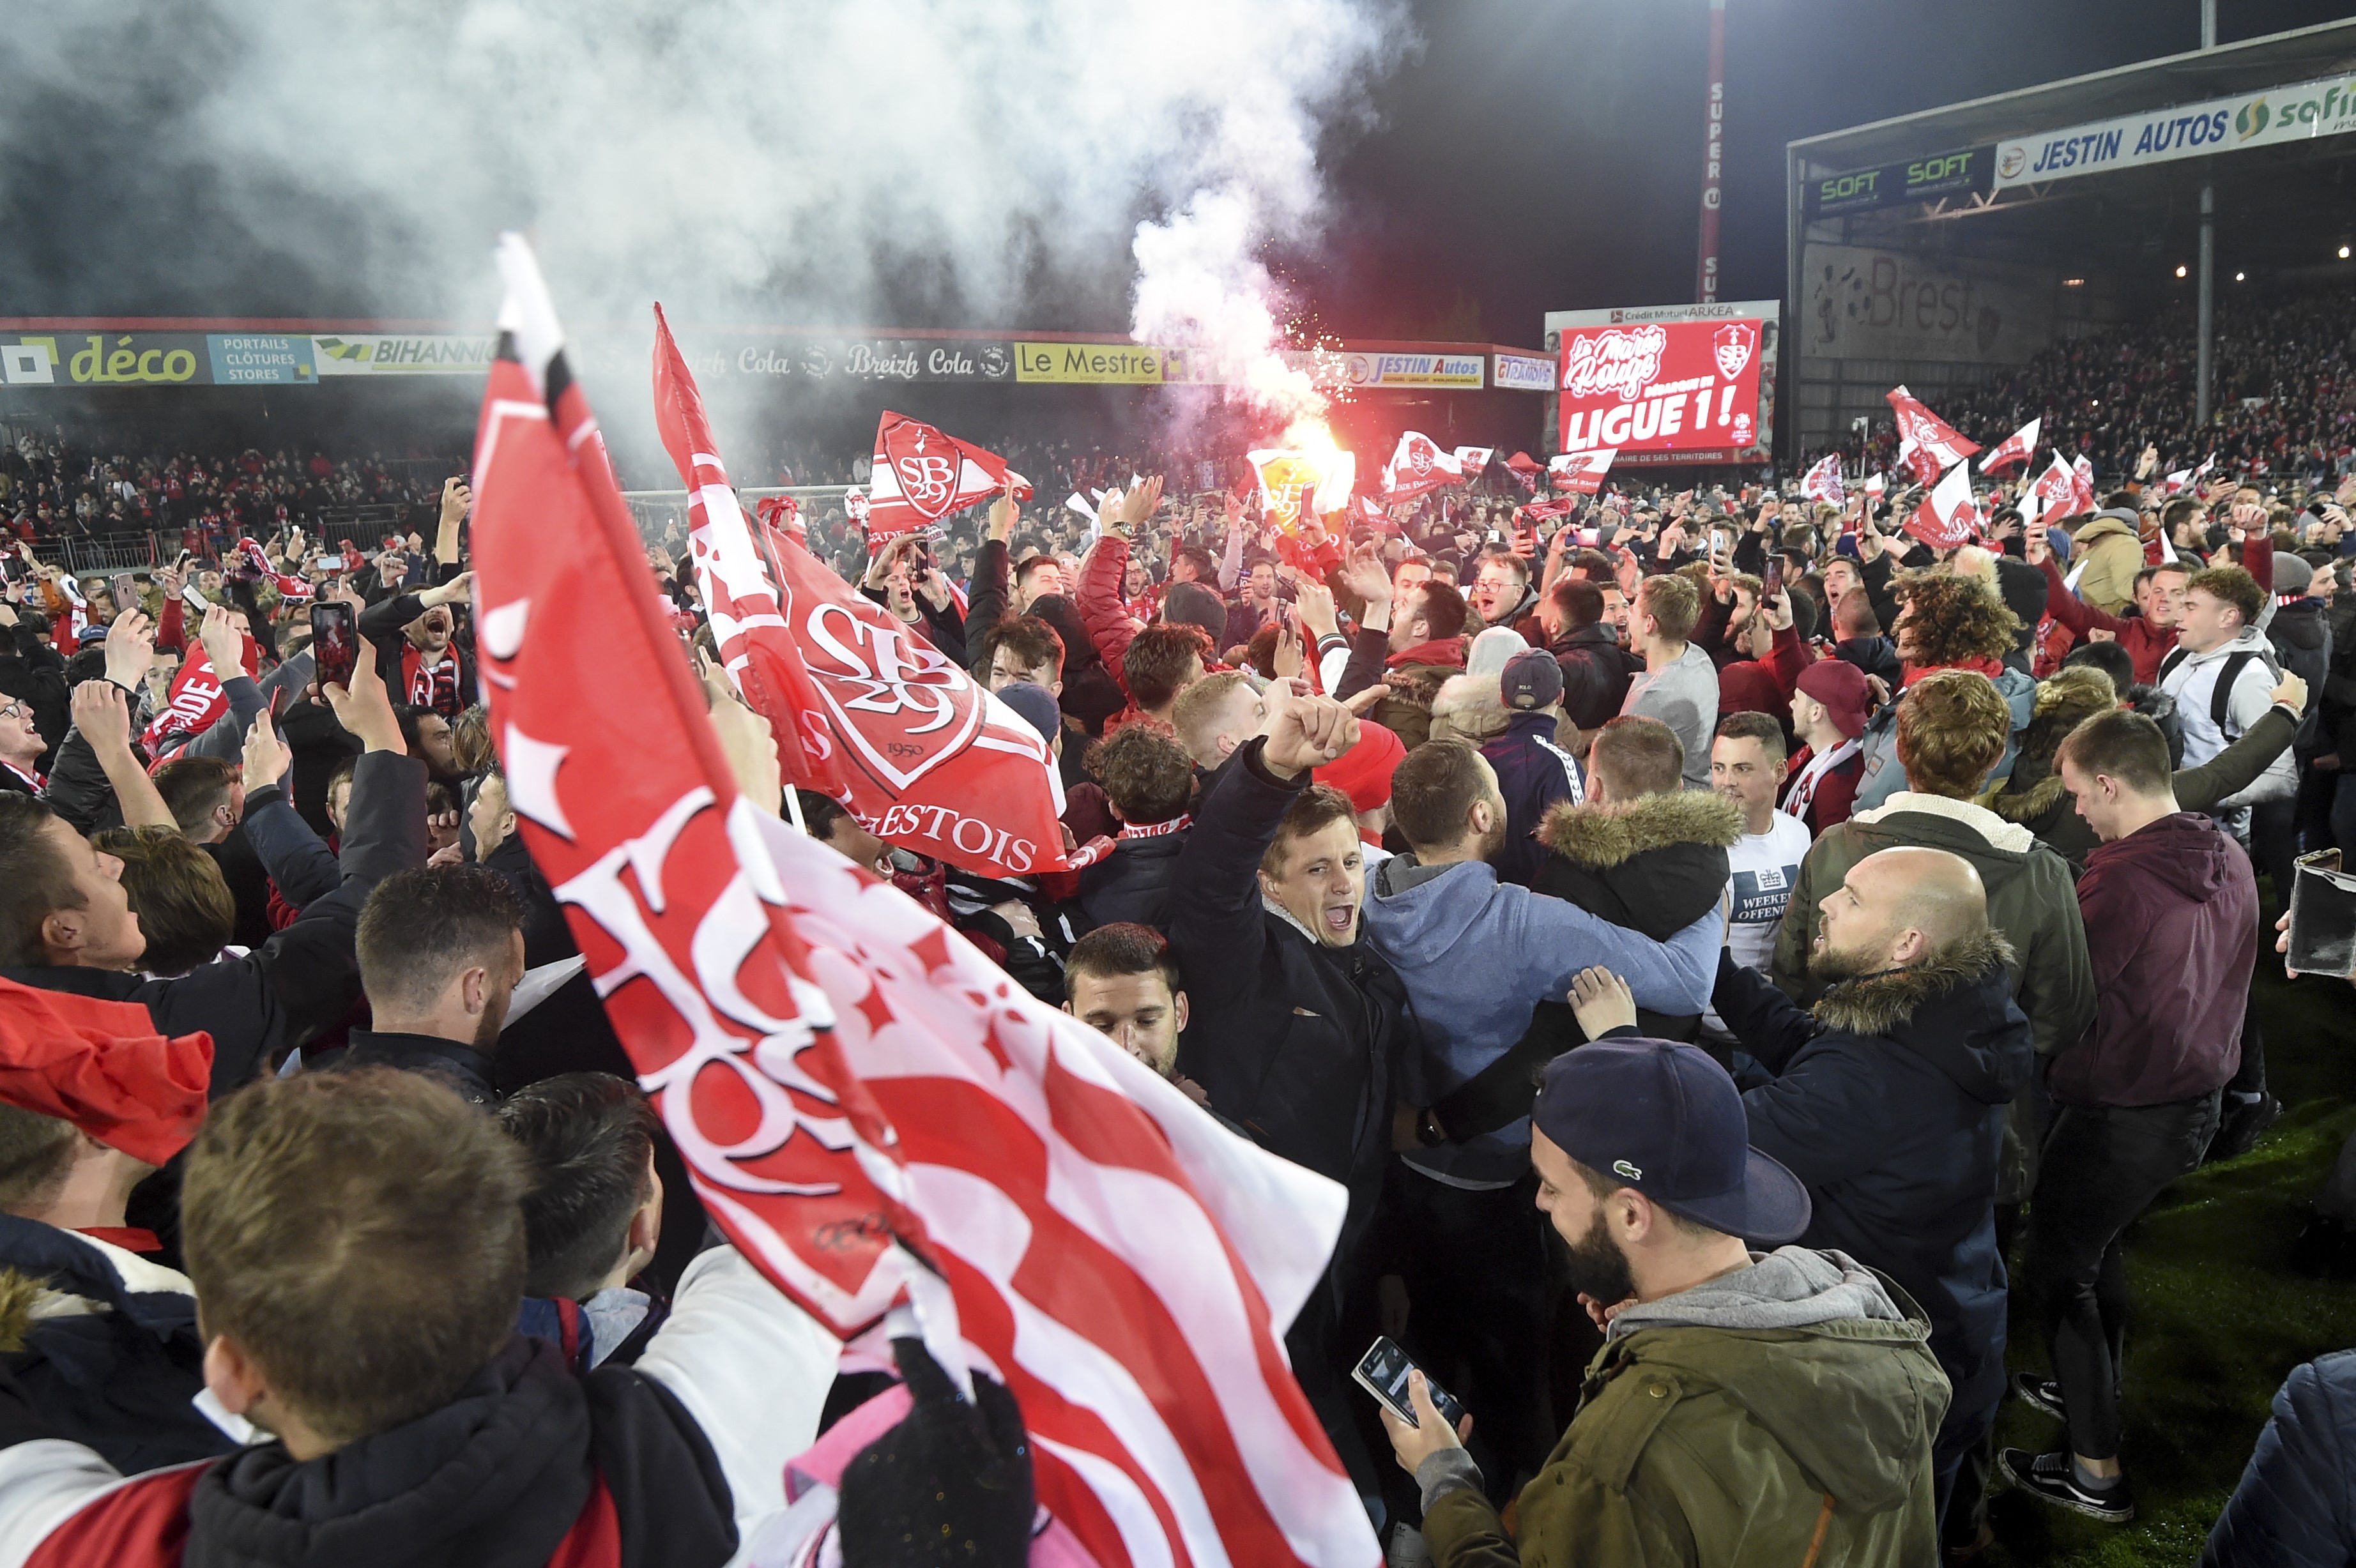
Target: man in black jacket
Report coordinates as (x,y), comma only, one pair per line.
(1596,668)
(1297,1027)
(1149,781)
(418,649)
(440,949)
(401,1417)
(1890,1100)
(65,924)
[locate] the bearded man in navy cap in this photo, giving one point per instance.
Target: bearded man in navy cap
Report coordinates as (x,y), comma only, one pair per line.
(1754,1406)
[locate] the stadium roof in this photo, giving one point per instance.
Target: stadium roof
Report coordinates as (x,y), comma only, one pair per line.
(2297,56)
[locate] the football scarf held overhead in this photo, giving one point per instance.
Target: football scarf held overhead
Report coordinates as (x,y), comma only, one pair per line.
(922,475)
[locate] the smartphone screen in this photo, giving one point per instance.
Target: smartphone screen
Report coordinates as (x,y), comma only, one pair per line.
(126,595)
(1772,579)
(335,643)
(194,598)
(330,563)
(1382,1371)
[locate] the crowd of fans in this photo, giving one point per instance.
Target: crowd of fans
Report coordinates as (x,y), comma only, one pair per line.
(2283,390)
(1823,935)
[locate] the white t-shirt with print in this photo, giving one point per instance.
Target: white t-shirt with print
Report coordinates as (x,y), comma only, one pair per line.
(1764,866)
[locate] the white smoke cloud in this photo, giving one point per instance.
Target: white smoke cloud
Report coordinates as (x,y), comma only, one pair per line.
(777,159)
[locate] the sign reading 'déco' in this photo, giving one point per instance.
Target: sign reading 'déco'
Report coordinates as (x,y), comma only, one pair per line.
(105,359)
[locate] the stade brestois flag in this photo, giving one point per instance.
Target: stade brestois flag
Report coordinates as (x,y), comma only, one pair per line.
(1946,516)
(1419,467)
(1538,511)
(2055,489)
(1689,387)
(925,758)
(922,475)
(640,830)
(2082,473)
(1474,460)
(1926,442)
(1579,473)
(1823,482)
(1296,482)
(853,1086)
(2018,447)
(746,608)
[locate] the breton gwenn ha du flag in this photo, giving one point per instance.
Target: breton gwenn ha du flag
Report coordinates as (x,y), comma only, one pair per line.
(1946,516)
(879,1118)
(1581,473)
(1823,482)
(922,475)
(863,710)
(1926,442)
(2018,447)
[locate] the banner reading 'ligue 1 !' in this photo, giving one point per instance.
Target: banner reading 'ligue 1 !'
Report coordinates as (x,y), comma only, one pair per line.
(1685,387)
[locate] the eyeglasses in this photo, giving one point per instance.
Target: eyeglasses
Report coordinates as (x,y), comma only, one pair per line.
(16,710)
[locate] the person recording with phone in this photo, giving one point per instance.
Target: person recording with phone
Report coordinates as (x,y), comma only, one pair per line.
(1770,1406)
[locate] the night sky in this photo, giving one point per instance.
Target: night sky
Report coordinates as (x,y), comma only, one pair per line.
(1531,155)
(1546,156)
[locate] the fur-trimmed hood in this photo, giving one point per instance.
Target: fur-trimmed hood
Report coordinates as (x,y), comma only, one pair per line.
(1974,1034)
(2064,701)
(1605,834)
(1469,707)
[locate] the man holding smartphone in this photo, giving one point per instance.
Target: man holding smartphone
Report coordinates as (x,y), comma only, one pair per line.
(1756,1406)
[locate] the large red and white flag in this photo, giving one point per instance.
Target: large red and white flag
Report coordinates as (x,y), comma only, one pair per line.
(1120,1261)
(2183,479)
(1475,461)
(1523,470)
(1925,441)
(1418,465)
(856,1089)
(2018,447)
(1823,482)
(638,827)
(1579,473)
(1946,516)
(922,475)
(748,622)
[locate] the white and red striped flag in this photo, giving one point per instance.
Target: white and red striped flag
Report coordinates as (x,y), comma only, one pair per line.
(1579,473)
(2183,479)
(1823,483)
(748,623)
(855,1088)
(1926,442)
(922,475)
(2018,447)
(1946,516)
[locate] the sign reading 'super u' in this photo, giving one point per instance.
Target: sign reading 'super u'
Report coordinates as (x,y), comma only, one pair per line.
(2297,112)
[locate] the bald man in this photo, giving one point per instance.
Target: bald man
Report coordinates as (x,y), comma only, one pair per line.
(1888,1102)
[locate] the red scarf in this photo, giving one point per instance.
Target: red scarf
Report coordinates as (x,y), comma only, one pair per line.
(1178,824)
(1912,673)
(1448,651)
(436,687)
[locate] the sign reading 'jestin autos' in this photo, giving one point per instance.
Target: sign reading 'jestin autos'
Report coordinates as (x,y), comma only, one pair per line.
(1684,386)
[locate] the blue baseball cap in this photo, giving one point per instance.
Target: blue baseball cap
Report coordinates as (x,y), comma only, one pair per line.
(1666,1120)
